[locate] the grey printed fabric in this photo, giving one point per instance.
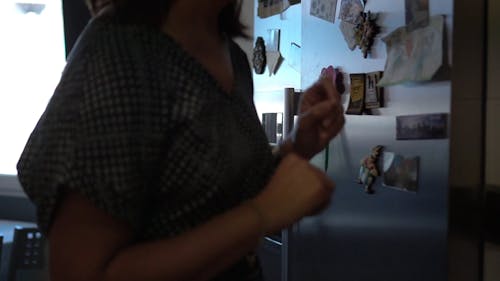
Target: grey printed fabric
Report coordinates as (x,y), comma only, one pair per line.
(141,129)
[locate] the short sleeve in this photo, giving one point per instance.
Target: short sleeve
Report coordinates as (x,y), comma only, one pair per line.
(104,148)
(109,158)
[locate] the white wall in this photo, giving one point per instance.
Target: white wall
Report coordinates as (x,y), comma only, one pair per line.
(289,23)
(269,90)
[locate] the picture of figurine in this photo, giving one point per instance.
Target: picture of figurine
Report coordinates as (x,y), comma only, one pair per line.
(368,171)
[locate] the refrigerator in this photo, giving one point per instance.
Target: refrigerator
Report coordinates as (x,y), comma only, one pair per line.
(391,234)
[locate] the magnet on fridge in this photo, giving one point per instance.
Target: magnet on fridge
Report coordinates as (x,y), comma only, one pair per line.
(350,11)
(374,95)
(259,56)
(422,126)
(401,172)
(274,61)
(336,75)
(324,9)
(366,31)
(368,170)
(357,100)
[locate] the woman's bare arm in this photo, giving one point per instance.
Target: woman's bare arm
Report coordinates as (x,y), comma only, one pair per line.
(88,244)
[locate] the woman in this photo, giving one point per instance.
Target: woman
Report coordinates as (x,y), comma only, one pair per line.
(150,163)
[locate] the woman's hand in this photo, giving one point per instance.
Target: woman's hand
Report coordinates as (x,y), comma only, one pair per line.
(321,118)
(297,189)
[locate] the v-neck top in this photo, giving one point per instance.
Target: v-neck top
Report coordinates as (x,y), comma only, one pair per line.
(142,129)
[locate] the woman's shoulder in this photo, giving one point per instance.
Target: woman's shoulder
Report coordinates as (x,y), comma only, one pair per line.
(106,37)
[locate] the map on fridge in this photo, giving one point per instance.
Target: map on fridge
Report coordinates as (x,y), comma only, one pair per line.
(414,55)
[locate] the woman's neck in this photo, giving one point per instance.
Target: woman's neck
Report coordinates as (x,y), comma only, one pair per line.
(194,21)
(194,24)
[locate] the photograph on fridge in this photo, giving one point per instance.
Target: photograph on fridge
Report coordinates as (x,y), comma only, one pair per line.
(350,11)
(324,9)
(400,172)
(422,126)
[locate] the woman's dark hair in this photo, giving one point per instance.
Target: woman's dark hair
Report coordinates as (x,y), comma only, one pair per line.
(153,12)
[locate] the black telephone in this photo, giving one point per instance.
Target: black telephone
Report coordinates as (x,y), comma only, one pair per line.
(27,258)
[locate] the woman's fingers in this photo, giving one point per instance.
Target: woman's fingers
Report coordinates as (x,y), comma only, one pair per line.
(325,114)
(324,89)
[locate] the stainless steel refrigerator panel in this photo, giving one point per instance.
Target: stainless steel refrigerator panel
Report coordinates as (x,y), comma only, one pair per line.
(389,235)
(392,234)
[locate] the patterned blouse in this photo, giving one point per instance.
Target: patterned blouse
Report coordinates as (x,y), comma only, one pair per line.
(140,128)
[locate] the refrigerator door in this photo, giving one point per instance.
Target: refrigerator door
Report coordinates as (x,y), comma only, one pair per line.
(390,235)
